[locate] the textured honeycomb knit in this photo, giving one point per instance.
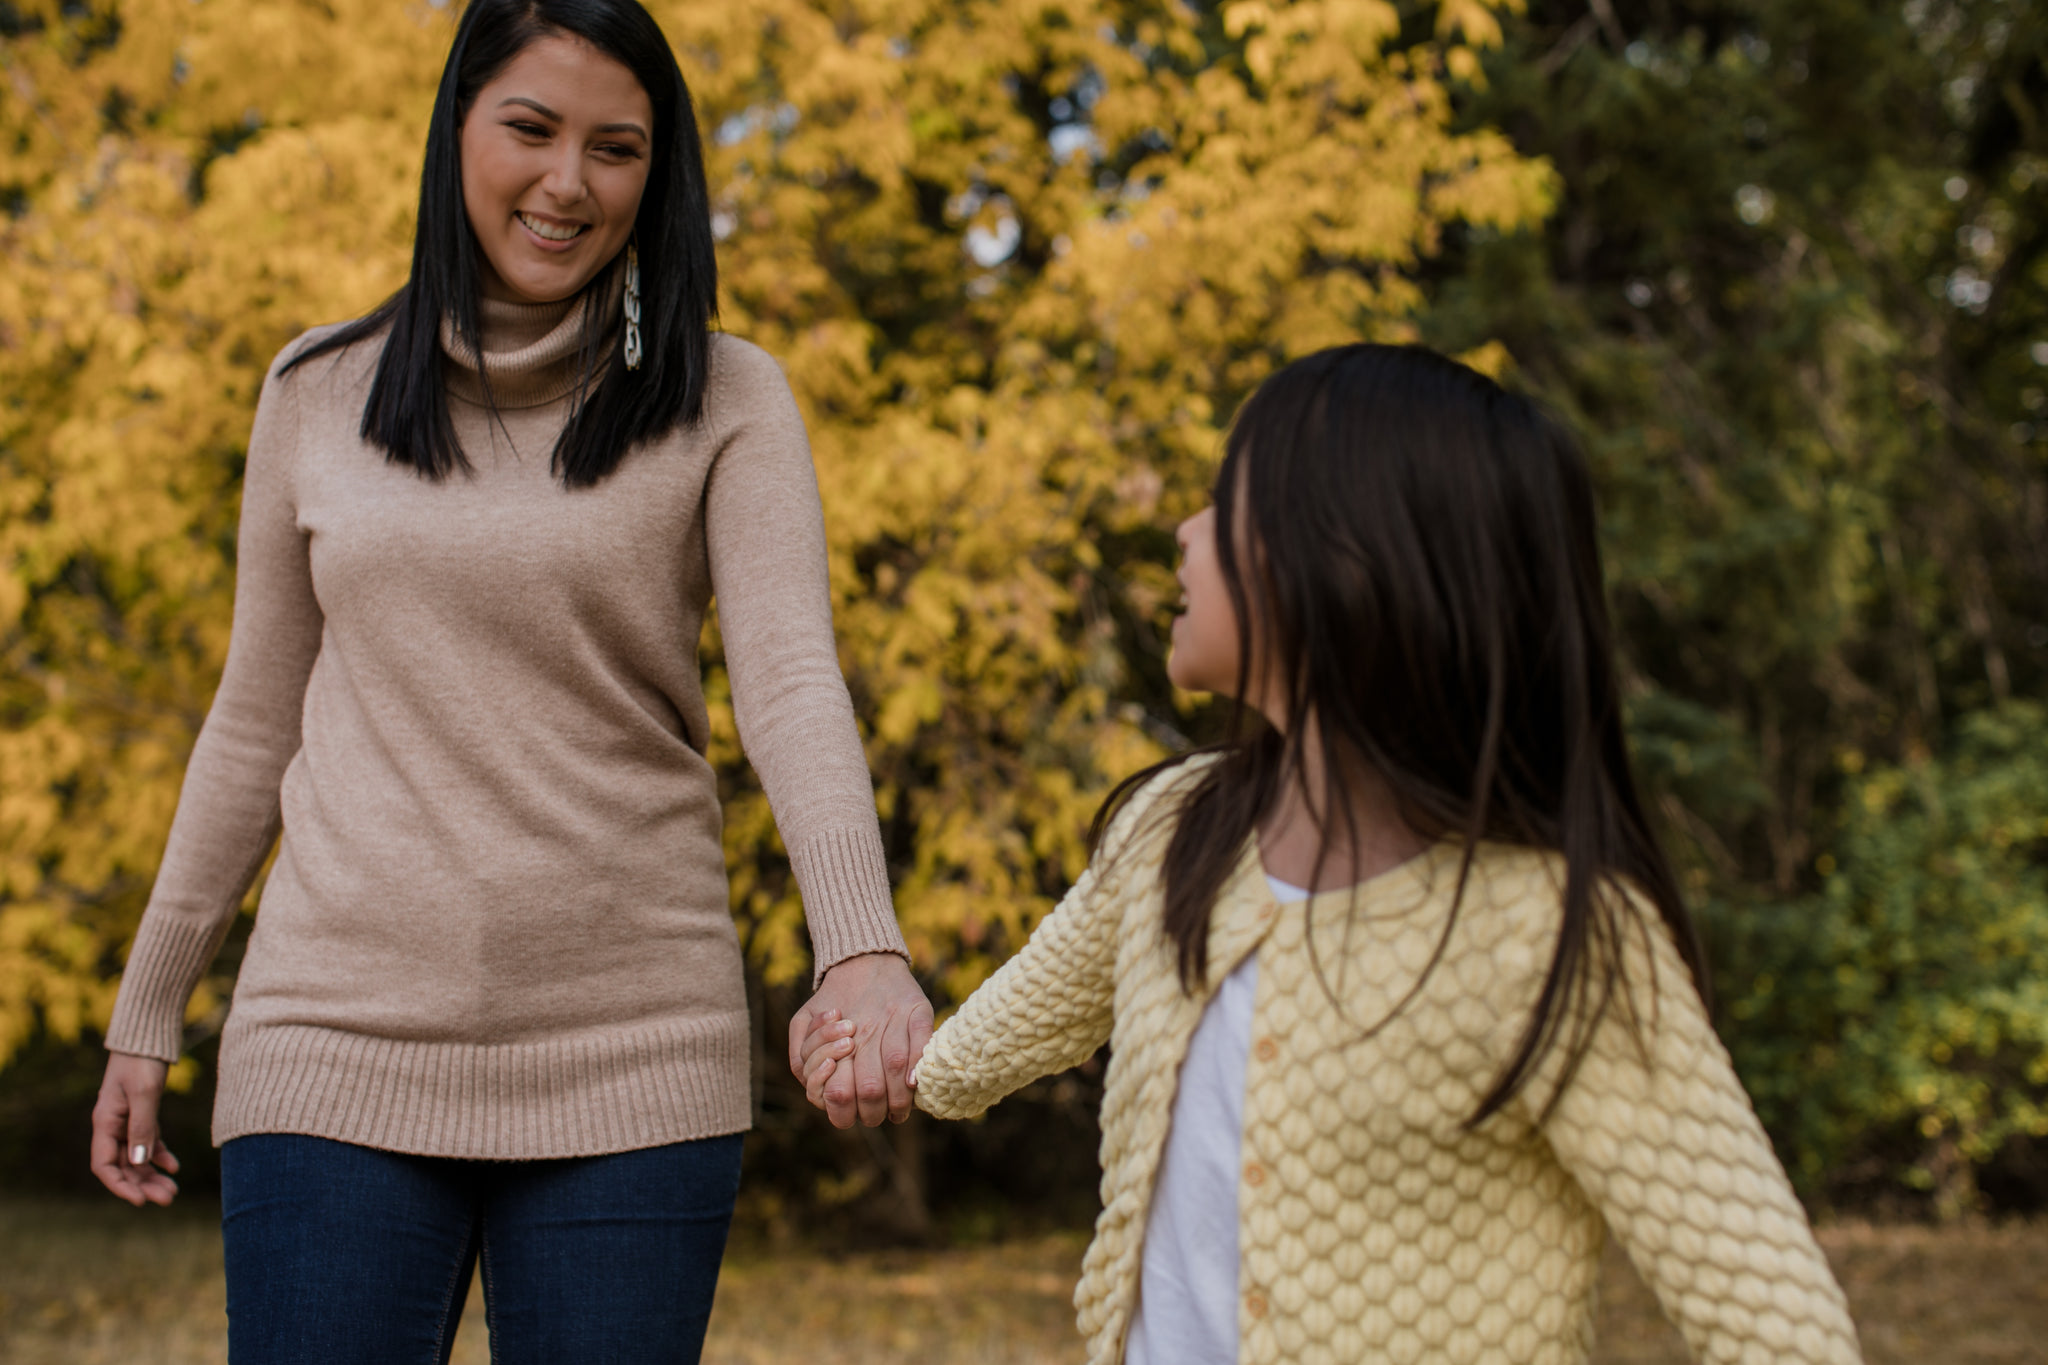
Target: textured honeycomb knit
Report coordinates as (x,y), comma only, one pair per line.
(1373,1225)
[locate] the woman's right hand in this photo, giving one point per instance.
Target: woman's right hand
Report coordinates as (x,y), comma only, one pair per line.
(127,1155)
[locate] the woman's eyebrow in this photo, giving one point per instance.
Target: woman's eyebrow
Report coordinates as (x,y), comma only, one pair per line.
(532,104)
(554,117)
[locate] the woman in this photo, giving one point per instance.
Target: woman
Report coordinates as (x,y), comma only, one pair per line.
(492,1008)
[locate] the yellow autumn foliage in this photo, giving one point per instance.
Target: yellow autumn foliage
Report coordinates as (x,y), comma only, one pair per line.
(1020,259)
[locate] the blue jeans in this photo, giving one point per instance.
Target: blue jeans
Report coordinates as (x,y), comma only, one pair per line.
(345,1255)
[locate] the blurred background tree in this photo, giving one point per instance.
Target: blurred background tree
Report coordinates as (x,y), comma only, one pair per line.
(1793,296)
(1780,263)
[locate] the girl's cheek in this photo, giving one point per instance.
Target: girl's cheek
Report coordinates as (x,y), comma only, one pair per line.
(1204,657)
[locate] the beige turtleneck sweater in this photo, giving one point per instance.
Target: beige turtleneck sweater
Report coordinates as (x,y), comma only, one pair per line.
(497,925)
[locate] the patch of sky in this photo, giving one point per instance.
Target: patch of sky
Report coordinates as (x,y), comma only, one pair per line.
(1070,139)
(1643,57)
(1968,290)
(1754,204)
(966,203)
(736,128)
(989,244)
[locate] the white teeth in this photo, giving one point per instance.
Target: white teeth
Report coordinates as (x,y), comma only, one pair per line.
(550,231)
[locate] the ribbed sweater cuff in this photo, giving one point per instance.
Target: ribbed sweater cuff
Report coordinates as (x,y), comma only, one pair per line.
(164,965)
(845,883)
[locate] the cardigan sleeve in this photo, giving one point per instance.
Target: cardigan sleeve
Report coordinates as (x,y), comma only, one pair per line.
(765,534)
(1052,1005)
(1657,1130)
(1046,1009)
(228,809)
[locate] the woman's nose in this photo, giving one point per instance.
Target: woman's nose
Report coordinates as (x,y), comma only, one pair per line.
(564,180)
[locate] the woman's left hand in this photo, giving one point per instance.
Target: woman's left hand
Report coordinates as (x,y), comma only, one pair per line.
(892,1021)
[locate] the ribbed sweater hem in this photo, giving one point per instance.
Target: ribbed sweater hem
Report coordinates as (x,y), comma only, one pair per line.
(581,1095)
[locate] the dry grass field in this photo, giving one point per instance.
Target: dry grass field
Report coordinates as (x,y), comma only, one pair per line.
(92,1285)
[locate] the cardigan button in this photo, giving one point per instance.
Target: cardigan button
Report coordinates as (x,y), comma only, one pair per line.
(1254,1173)
(1265,1049)
(1255,1304)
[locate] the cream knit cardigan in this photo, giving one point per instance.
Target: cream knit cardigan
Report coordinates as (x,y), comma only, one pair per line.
(1373,1226)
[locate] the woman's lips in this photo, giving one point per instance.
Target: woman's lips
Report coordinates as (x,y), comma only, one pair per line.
(553,236)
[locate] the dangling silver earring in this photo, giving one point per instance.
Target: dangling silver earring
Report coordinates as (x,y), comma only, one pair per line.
(632,308)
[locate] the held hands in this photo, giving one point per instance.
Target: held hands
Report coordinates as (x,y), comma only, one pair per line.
(853,1044)
(127,1155)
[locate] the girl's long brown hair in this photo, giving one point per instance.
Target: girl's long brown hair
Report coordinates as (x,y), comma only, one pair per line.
(1428,582)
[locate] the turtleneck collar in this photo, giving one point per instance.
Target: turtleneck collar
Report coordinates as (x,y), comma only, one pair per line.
(532,352)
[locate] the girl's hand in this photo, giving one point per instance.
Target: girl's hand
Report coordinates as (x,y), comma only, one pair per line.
(829,1040)
(127,1155)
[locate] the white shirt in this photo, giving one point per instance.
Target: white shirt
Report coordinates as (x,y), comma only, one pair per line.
(1187,1286)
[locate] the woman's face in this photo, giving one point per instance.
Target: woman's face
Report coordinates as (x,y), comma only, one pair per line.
(554,159)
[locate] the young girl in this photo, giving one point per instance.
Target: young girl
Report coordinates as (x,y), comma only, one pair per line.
(1402,1002)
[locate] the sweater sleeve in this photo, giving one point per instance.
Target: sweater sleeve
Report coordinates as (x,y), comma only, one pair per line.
(765,531)
(1046,1009)
(1657,1130)
(228,809)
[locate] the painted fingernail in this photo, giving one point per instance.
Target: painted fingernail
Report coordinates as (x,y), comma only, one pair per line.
(138,1155)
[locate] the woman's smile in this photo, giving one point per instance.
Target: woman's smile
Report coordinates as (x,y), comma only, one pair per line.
(554,233)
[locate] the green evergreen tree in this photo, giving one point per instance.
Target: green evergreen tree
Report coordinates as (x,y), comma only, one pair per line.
(1793,297)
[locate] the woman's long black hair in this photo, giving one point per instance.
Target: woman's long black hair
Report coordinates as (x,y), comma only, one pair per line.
(407,410)
(1427,573)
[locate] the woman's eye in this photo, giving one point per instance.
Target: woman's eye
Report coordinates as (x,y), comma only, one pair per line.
(528,129)
(618,151)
